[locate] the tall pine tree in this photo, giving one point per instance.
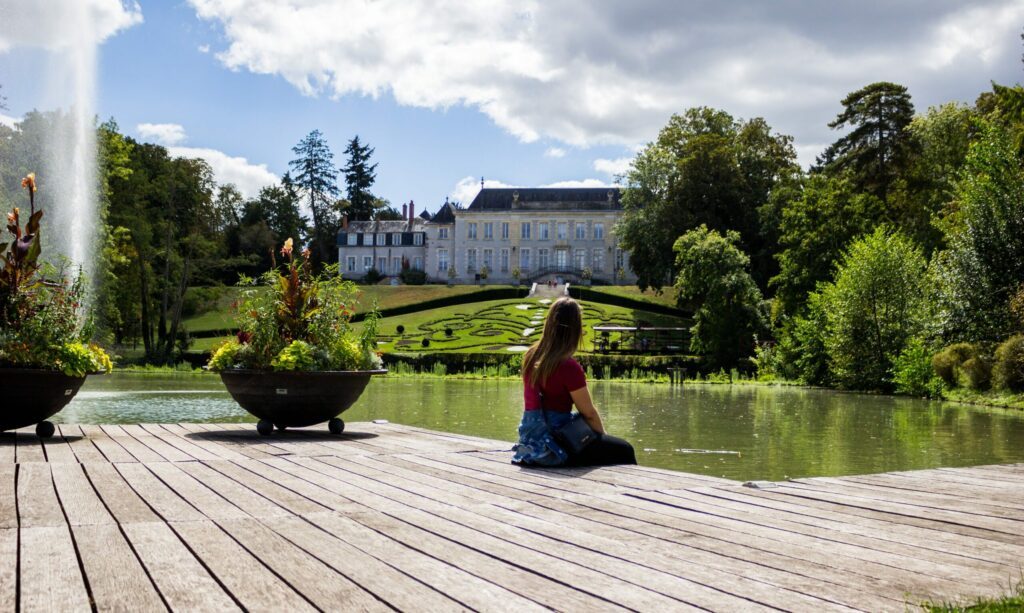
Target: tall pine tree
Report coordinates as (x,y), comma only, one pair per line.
(359,177)
(315,175)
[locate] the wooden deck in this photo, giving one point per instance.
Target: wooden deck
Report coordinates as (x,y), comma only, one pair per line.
(213,517)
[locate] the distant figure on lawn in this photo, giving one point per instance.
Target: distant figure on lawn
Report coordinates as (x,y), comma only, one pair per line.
(552,383)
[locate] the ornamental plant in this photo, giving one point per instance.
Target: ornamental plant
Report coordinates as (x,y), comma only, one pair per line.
(42,324)
(292,319)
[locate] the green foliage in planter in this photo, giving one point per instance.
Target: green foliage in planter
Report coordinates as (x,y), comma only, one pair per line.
(41,323)
(1008,369)
(294,319)
(913,374)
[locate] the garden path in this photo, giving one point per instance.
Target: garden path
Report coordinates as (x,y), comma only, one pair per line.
(212,516)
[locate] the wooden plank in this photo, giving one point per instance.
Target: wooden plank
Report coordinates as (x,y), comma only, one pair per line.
(117,580)
(80,502)
(169,437)
(204,499)
(8,569)
(442,491)
(37,500)
(245,499)
(8,447)
(324,587)
(80,445)
(120,499)
(167,452)
(162,499)
(112,451)
(283,497)
(50,579)
(58,451)
(373,561)
(8,496)
(620,581)
(138,451)
(866,487)
(29,448)
(242,575)
(270,478)
(181,580)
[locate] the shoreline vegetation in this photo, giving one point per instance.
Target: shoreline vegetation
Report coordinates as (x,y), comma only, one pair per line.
(990,399)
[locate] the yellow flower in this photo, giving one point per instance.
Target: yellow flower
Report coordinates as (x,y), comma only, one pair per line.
(29,181)
(287,249)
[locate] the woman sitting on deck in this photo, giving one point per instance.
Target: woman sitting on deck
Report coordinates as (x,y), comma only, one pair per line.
(552,383)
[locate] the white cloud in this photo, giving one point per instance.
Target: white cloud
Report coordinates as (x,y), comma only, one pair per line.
(579,183)
(247,177)
(7,120)
(554,152)
(587,73)
(614,167)
(203,48)
(62,24)
(167,134)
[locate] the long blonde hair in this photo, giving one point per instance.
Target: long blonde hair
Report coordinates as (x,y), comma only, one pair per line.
(563,329)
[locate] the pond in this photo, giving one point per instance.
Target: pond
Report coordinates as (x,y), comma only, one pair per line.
(738,432)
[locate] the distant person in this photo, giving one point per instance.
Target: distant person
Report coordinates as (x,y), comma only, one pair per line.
(552,383)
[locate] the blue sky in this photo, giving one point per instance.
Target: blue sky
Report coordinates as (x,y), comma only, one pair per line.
(526,93)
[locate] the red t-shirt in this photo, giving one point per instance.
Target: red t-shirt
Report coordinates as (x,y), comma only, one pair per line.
(568,377)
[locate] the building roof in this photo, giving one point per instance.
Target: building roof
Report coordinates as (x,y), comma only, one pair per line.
(444,215)
(425,215)
(547,198)
(399,225)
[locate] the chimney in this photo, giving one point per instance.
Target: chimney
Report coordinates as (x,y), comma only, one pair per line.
(344,221)
(412,211)
(405,211)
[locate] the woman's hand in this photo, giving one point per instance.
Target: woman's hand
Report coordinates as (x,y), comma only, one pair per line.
(585,405)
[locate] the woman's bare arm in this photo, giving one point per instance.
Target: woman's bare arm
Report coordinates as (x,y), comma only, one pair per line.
(585,405)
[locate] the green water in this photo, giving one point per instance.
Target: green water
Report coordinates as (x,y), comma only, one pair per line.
(739,432)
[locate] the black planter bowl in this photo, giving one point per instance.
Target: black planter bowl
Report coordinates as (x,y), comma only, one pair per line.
(32,396)
(294,399)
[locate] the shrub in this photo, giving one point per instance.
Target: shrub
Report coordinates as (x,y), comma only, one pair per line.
(425,342)
(400,329)
(448,332)
(1008,369)
(976,373)
(947,363)
(412,276)
(913,374)
(372,277)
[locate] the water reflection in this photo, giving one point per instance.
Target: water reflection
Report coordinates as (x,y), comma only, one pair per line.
(734,432)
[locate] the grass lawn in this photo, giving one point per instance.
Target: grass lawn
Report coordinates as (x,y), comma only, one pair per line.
(666,298)
(497,325)
(1011,602)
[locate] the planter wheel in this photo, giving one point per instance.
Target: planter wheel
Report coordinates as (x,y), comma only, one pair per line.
(280,427)
(336,426)
(265,427)
(44,429)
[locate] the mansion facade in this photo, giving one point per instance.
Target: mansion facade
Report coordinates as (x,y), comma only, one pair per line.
(543,233)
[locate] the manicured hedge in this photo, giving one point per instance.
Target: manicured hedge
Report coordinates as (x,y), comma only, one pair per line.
(498,293)
(466,362)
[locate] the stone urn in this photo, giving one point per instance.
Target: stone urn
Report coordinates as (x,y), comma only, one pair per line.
(31,396)
(294,399)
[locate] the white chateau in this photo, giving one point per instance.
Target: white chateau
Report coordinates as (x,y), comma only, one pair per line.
(545,233)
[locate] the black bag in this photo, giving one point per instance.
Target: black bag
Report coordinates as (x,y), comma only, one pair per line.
(575,435)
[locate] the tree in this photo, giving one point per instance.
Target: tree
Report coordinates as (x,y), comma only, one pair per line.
(359,178)
(878,302)
(877,147)
(984,266)
(704,168)
(714,280)
(814,230)
(316,176)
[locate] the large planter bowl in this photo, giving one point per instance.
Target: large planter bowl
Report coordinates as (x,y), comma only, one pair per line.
(32,396)
(295,399)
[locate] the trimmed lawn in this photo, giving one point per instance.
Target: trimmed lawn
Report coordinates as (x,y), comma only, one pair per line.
(496,325)
(666,298)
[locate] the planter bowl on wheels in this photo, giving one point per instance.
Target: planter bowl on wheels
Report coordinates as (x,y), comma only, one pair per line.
(294,399)
(32,396)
